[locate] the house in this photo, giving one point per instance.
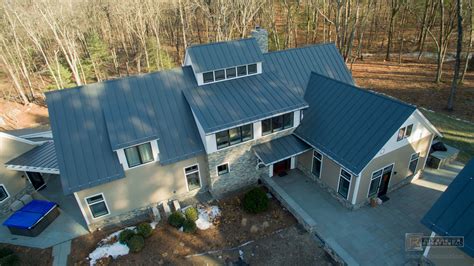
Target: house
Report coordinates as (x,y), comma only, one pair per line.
(232,113)
(452,215)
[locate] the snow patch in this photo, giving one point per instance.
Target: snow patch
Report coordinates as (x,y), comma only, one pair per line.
(206,217)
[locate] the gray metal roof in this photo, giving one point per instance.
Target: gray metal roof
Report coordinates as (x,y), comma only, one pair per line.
(347,123)
(280,149)
(218,55)
(223,105)
(453,213)
(42,157)
(295,65)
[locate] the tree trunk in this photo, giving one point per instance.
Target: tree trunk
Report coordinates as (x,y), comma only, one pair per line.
(457,65)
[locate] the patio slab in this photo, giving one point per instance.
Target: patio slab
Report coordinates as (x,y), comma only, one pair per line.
(367,236)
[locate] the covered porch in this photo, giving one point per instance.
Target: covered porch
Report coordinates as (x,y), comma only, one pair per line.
(39,167)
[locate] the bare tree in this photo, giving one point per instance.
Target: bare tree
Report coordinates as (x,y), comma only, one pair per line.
(457,66)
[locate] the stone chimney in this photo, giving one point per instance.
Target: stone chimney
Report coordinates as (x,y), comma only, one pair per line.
(262,38)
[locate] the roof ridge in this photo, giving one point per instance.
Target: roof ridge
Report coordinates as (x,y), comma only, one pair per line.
(366,90)
(219,42)
(300,48)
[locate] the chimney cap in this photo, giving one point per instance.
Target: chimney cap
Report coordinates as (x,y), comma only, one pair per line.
(257,27)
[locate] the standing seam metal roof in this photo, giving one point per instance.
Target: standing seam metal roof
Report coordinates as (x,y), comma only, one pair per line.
(347,123)
(219,55)
(42,156)
(453,213)
(280,148)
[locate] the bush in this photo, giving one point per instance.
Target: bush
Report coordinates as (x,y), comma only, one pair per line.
(136,243)
(10,260)
(125,235)
(144,229)
(176,219)
(255,201)
(5,252)
(189,226)
(191,213)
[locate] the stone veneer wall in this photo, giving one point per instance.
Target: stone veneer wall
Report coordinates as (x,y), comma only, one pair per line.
(242,164)
(5,206)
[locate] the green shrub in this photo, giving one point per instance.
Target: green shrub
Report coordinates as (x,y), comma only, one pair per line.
(10,260)
(176,219)
(189,226)
(255,201)
(5,252)
(191,213)
(144,229)
(136,243)
(125,235)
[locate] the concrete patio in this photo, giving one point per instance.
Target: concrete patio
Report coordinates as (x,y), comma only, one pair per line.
(68,225)
(367,236)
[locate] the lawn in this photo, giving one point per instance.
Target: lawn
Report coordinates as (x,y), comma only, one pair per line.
(457,133)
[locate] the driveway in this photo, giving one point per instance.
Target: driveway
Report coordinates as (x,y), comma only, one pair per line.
(367,236)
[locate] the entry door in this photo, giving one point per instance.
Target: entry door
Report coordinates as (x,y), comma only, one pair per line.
(387,173)
(36,179)
(282,166)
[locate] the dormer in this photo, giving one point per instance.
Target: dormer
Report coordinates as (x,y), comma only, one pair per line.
(220,61)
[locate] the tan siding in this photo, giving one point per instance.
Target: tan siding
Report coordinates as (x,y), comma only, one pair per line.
(400,158)
(145,185)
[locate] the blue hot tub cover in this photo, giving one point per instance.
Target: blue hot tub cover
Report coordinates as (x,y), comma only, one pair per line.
(30,214)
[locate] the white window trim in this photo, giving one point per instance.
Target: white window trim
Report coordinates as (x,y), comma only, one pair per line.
(417,161)
(312,164)
(283,130)
(89,207)
(405,131)
(123,158)
(225,73)
(339,180)
(186,178)
(237,144)
(228,168)
(6,191)
(378,187)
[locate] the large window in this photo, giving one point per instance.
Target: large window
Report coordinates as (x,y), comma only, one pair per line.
(375,183)
(208,77)
(317,163)
(3,193)
(413,163)
(242,71)
(234,136)
(404,132)
(252,69)
(223,169)
(192,177)
(277,123)
(139,154)
(220,74)
(97,205)
(344,183)
(229,73)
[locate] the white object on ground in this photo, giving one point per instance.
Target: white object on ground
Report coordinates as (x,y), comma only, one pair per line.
(176,205)
(207,216)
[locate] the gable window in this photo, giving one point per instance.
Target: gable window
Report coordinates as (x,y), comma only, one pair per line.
(97,205)
(223,169)
(404,132)
(234,136)
(139,154)
(413,163)
(192,177)
(219,74)
(344,183)
(317,163)
(3,193)
(208,77)
(277,123)
(242,71)
(230,72)
(375,183)
(252,69)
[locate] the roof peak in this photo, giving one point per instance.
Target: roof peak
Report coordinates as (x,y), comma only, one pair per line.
(219,42)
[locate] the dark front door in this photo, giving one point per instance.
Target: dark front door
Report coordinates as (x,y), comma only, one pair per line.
(36,180)
(281,167)
(387,173)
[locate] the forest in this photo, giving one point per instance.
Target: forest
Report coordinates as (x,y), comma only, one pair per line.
(51,44)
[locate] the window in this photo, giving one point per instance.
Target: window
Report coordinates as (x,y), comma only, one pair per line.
(139,154)
(3,193)
(231,73)
(97,205)
(208,77)
(252,69)
(242,70)
(223,169)
(277,123)
(413,163)
(317,163)
(219,74)
(405,132)
(192,177)
(375,183)
(344,183)
(234,136)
